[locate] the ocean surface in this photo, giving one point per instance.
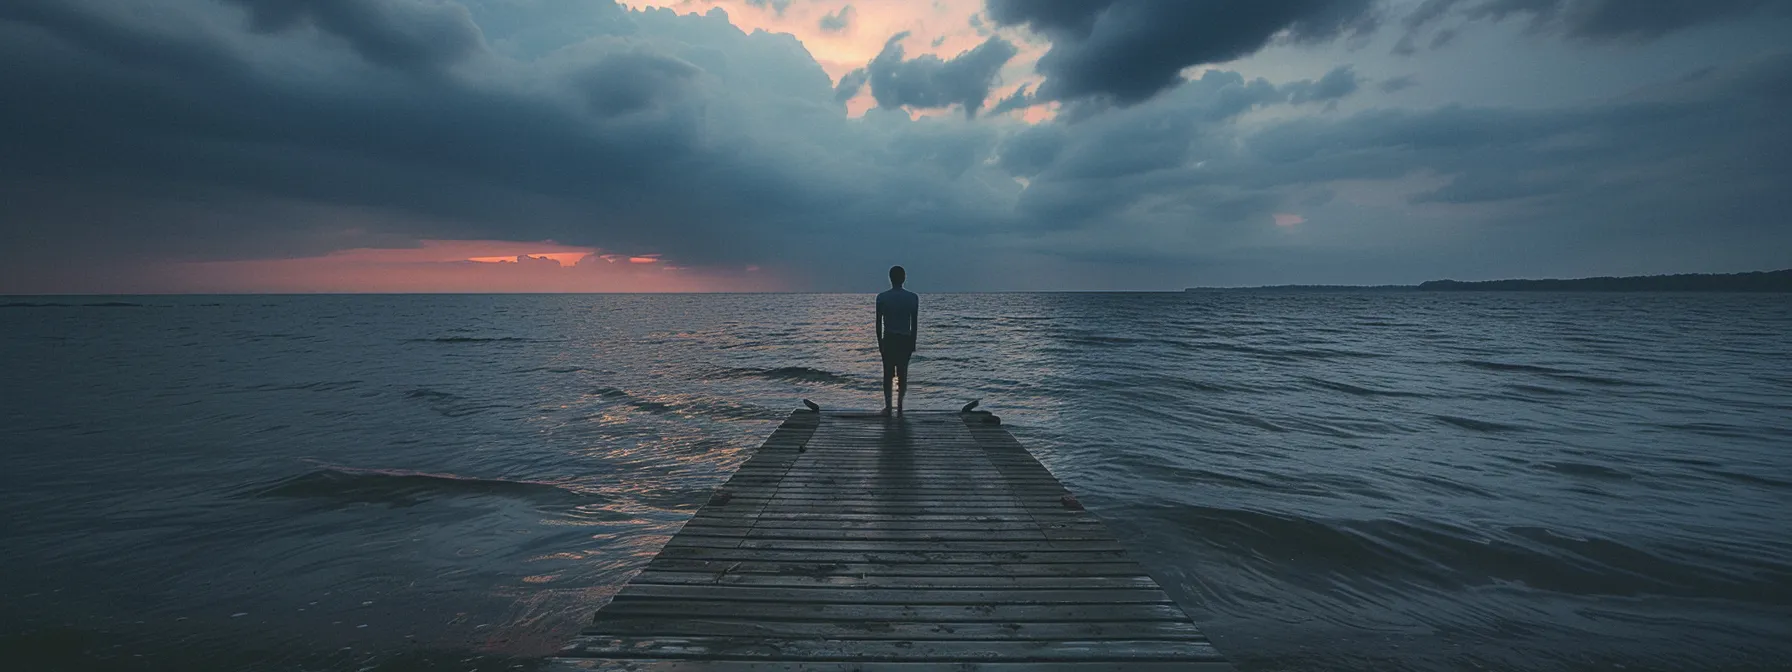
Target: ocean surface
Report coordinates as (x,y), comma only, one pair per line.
(1325,481)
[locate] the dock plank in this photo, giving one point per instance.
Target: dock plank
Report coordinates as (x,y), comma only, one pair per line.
(855,542)
(762,648)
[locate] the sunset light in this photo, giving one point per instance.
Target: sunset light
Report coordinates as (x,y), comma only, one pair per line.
(460,266)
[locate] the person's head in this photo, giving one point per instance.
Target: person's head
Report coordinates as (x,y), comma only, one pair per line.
(897,276)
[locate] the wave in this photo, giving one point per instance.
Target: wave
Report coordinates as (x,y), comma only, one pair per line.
(801,374)
(1544,389)
(1558,374)
(432,395)
(1750,479)
(654,407)
(1502,366)
(553,369)
(1347,388)
(479,339)
(1586,470)
(1477,425)
(315,386)
(1104,340)
(451,405)
(405,488)
(53,304)
(1455,557)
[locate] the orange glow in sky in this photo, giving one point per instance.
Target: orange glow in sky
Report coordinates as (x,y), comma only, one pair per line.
(469,266)
(565,258)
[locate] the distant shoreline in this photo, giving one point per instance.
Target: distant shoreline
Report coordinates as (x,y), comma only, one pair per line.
(1754,281)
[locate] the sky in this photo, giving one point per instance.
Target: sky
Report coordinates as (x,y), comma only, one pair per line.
(218,146)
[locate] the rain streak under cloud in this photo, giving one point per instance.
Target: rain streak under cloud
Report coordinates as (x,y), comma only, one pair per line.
(697,145)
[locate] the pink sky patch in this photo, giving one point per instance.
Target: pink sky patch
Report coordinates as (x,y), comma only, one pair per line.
(1289,219)
(456,266)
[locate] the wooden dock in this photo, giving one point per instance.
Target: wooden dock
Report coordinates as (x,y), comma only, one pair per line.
(850,541)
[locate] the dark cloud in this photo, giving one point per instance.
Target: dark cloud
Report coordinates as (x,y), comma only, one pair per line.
(927,81)
(1032,150)
(777,6)
(850,84)
(1173,169)
(1583,19)
(1232,95)
(408,34)
(633,81)
(838,21)
(1130,50)
(1340,82)
(1020,99)
(1396,84)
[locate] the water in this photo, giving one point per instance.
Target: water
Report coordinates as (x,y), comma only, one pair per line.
(1325,481)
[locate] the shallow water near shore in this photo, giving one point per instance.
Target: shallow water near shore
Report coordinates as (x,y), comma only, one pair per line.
(1324,481)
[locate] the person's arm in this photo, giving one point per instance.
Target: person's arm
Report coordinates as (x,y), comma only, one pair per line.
(914,320)
(880,322)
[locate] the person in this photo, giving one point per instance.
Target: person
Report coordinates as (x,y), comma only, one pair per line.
(898,320)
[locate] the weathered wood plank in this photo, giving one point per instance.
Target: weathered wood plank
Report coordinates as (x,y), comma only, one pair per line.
(669,665)
(893,569)
(806,611)
(896,494)
(882,534)
(748,627)
(898,545)
(957,508)
(721,577)
(698,523)
(907,650)
(908,596)
(1052,515)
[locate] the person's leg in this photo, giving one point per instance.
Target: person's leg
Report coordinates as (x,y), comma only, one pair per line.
(889,371)
(901,385)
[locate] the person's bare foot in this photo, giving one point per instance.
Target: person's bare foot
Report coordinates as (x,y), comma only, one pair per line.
(885,412)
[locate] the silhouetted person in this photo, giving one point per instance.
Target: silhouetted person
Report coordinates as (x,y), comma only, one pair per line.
(898,318)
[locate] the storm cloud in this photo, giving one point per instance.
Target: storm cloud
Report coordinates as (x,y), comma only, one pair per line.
(396,33)
(1582,19)
(928,81)
(1130,50)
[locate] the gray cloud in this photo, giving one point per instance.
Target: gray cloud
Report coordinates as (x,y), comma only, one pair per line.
(1130,50)
(850,83)
(1020,99)
(838,21)
(1340,82)
(1396,84)
(1173,169)
(405,34)
(1582,19)
(930,82)
(777,6)
(633,81)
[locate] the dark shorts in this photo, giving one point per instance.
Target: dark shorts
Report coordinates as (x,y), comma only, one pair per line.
(897,348)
